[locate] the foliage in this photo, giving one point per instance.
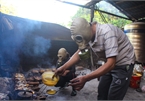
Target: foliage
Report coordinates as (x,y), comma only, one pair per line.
(85,13)
(102,17)
(7,8)
(82,12)
(119,22)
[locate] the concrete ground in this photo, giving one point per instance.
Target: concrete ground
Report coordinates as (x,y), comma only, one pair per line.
(88,93)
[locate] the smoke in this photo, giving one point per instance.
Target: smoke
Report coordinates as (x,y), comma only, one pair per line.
(9,46)
(21,40)
(35,46)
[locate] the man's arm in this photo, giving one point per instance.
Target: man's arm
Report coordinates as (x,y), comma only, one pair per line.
(79,82)
(74,59)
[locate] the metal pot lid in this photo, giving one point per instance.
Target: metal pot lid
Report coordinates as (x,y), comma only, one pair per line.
(24,94)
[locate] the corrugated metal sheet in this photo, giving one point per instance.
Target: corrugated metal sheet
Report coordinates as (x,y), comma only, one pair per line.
(135,10)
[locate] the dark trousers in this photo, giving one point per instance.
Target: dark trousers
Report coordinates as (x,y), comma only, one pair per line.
(114,85)
(64,79)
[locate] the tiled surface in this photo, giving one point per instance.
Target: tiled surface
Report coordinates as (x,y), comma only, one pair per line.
(89,92)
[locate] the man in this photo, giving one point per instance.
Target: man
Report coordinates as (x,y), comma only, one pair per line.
(69,74)
(107,41)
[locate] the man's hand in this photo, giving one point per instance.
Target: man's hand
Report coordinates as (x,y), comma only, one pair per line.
(78,83)
(59,71)
(65,72)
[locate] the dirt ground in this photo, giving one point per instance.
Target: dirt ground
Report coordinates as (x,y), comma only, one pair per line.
(88,93)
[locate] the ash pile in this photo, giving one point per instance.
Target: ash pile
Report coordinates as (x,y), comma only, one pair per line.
(6,86)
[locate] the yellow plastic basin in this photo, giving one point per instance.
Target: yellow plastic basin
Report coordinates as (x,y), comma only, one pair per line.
(47,78)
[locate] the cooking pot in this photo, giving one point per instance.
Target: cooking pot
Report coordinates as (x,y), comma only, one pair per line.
(48,80)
